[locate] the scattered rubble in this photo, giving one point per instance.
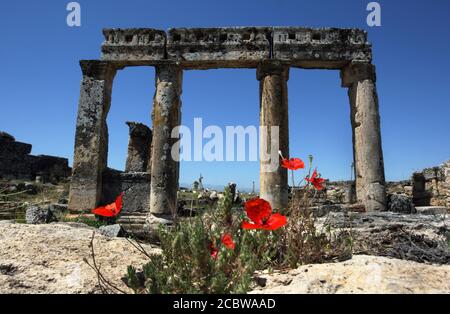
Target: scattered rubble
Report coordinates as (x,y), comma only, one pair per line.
(39,215)
(420,238)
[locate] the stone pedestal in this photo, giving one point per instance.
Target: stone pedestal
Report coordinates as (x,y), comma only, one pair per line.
(360,78)
(273,77)
(166,116)
(139,147)
(91,142)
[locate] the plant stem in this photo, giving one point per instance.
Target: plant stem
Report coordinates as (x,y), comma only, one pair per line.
(293,180)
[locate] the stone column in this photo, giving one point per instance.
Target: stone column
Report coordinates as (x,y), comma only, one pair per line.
(91,140)
(273,77)
(166,116)
(360,78)
(139,147)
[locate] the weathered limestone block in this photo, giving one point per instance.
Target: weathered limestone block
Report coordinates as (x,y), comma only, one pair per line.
(111,185)
(369,165)
(14,149)
(51,168)
(139,147)
(431,187)
(320,48)
(135,186)
(273,77)
(91,143)
(220,47)
(166,116)
(136,44)
(16,163)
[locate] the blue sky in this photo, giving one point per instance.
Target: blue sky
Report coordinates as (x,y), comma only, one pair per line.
(40,79)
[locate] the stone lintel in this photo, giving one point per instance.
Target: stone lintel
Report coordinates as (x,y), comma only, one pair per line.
(356,72)
(134,44)
(272,67)
(237,47)
(320,47)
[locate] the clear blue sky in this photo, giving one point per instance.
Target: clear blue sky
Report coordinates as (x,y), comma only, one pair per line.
(40,78)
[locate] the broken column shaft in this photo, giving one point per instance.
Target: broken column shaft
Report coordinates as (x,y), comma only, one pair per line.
(273,77)
(139,147)
(360,78)
(166,116)
(91,142)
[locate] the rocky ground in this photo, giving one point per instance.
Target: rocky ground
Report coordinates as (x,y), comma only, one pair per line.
(49,259)
(361,274)
(408,254)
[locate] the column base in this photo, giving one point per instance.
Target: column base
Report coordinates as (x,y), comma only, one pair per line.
(152,225)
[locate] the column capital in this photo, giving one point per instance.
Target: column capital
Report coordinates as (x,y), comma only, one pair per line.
(97,69)
(168,71)
(272,67)
(357,71)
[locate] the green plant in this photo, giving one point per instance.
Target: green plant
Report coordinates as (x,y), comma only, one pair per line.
(300,242)
(195,258)
(219,250)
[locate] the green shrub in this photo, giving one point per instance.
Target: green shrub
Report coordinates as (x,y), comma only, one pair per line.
(186,264)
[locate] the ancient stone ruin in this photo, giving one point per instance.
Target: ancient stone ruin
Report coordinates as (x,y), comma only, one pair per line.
(428,187)
(152,176)
(16,163)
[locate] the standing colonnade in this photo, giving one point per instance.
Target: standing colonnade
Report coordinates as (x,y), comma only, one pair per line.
(272,52)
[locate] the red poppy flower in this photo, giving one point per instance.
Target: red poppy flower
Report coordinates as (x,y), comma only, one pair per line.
(111,210)
(227,240)
(316,181)
(260,212)
(213,251)
(292,164)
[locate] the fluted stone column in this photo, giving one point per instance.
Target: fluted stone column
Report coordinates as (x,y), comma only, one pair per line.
(139,146)
(91,141)
(166,116)
(360,78)
(273,77)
